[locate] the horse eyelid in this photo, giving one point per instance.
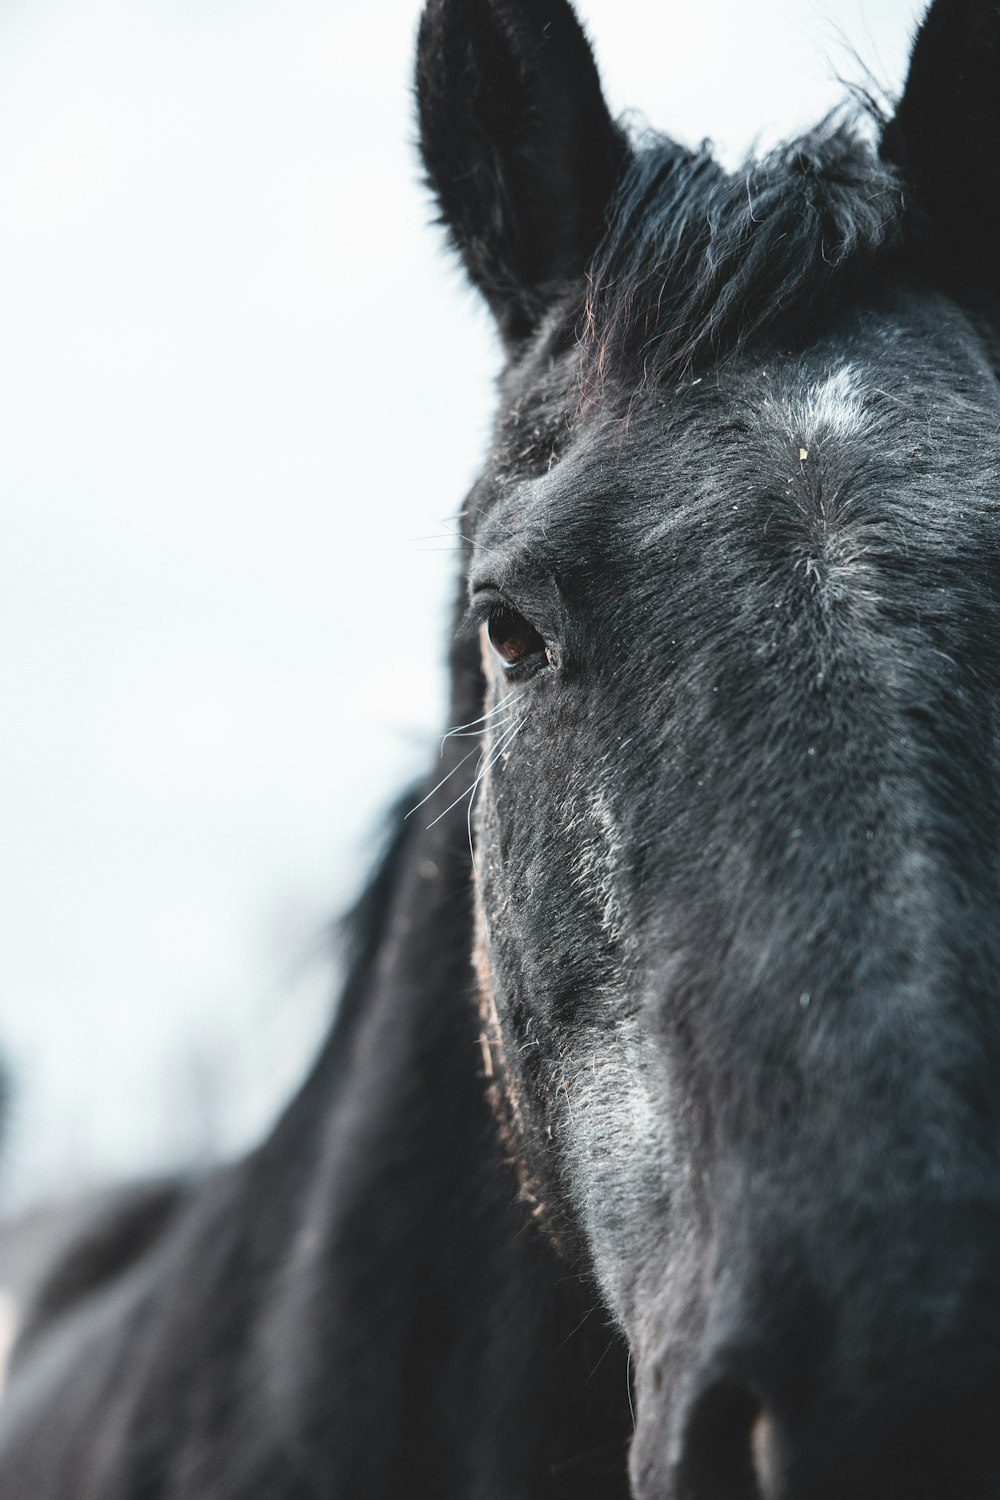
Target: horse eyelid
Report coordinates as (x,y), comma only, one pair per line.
(478,611)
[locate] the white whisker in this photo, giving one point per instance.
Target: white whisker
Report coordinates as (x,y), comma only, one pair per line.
(474,734)
(504,740)
(506,704)
(502,744)
(440,784)
(468,810)
(489,714)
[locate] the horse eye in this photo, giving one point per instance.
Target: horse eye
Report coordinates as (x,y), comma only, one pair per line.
(511,636)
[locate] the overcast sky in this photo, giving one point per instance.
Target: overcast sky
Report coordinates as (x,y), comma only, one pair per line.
(242,390)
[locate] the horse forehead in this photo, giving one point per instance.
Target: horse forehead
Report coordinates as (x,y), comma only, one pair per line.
(754,429)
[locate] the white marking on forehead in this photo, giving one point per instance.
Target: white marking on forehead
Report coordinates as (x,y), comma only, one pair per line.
(834,406)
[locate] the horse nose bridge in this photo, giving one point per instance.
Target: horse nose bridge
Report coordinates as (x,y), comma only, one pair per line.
(860,1096)
(861,1366)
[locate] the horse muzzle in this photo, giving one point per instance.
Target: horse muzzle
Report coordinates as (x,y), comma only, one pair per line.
(875,1377)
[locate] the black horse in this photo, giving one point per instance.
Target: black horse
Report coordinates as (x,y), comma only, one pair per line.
(656,1148)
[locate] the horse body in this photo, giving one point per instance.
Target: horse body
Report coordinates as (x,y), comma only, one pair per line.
(722,1128)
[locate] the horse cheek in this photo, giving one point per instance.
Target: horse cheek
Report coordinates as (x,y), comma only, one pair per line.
(582,1082)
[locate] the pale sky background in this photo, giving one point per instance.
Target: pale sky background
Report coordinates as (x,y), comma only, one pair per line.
(242,391)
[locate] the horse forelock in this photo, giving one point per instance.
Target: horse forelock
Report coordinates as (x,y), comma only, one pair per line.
(698,264)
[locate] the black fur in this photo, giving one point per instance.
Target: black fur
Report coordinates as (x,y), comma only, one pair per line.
(688,1187)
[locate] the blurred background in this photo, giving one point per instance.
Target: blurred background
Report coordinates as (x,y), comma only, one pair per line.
(242,392)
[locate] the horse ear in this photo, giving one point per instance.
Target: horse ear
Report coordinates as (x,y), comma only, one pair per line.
(518,144)
(945,135)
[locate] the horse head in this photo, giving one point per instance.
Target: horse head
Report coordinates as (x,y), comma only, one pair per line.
(732,611)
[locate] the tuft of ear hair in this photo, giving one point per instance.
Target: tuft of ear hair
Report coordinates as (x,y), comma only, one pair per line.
(945,137)
(518,145)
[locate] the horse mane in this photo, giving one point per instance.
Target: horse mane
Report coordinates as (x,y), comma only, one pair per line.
(698,263)
(360,931)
